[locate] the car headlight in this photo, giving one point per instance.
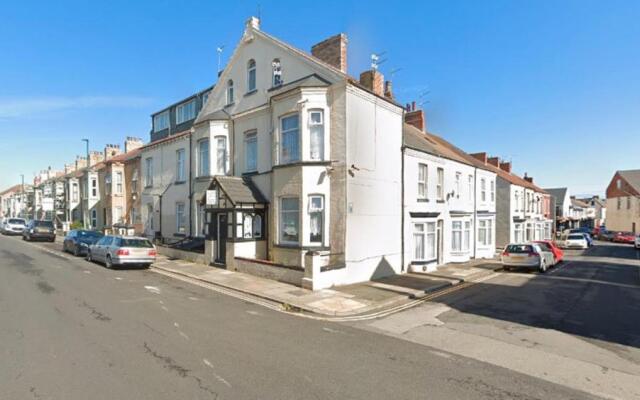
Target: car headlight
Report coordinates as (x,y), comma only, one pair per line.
(84,245)
(31,231)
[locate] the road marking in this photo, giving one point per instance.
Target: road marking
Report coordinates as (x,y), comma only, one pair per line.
(117,278)
(218,377)
(86,272)
(153,289)
(184,335)
(165,308)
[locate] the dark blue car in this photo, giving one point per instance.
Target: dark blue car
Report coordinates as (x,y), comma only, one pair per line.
(78,241)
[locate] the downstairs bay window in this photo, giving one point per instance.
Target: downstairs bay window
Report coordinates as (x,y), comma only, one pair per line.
(316,218)
(456,236)
(485,232)
(424,241)
(289,220)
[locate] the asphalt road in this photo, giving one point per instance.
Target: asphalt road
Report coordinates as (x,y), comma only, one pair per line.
(578,325)
(74,330)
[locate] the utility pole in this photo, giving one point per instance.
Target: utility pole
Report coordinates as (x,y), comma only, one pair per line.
(85,218)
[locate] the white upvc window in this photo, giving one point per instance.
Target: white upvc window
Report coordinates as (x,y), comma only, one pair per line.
(230,94)
(180,218)
(458,178)
(470,188)
(483,189)
(148,173)
(456,236)
(466,239)
(221,155)
(440,184)
(492,185)
(423,173)
(117,215)
(203,157)
(517,201)
(186,111)
(485,232)
(424,241)
(316,218)
(517,229)
(119,188)
(251,151)
(289,220)
(289,139)
(181,174)
(94,218)
(316,134)
(251,76)
(276,72)
(161,121)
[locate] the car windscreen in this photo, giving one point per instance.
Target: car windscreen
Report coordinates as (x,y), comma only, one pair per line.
(575,237)
(16,221)
(519,248)
(142,243)
(89,234)
(44,224)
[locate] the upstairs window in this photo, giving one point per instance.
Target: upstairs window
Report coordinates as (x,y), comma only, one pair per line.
(148,176)
(180,166)
(203,157)
(422,180)
(440,184)
(316,134)
(483,189)
(250,151)
(186,112)
(118,183)
(470,187)
(230,98)
(134,181)
(94,187)
(289,139)
(492,186)
(221,153)
(251,76)
(161,121)
(458,178)
(276,72)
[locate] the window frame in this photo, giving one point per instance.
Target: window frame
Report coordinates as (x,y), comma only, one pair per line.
(204,168)
(250,138)
(281,158)
(456,230)
(318,127)
(165,117)
(181,226)
(221,139)
(423,169)
(313,212)
(148,176)
(181,173)
(186,111)
(281,218)
(119,183)
(483,189)
(252,75)
(276,71)
(230,92)
(440,184)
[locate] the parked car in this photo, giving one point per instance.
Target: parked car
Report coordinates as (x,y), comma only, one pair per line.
(41,230)
(529,255)
(549,245)
(122,250)
(78,241)
(624,237)
(14,226)
(636,244)
(585,232)
(606,235)
(575,241)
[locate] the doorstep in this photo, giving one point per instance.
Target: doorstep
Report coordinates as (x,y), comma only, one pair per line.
(342,301)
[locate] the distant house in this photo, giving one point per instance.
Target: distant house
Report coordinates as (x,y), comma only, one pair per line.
(623,201)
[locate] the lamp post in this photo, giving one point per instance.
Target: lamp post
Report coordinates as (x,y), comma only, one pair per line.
(85,218)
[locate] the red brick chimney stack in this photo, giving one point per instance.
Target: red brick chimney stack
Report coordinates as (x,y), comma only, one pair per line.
(373,80)
(506,166)
(482,157)
(495,161)
(415,117)
(333,51)
(528,178)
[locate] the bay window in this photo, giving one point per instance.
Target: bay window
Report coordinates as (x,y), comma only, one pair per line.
(316,218)
(467,236)
(316,134)
(203,157)
(518,233)
(289,139)
(289,220)
(456,236)
(221,154)
(485,232)
(424,241)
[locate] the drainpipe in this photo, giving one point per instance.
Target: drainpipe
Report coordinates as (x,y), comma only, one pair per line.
(190,184)
(475,212)
(402,222)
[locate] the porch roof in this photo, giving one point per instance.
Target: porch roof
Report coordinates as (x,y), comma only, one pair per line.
(240,190)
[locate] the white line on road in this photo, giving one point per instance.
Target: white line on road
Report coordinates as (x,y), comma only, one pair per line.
(218,377)
(153,289)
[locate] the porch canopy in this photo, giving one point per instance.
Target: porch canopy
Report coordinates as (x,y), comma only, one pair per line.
(238,203)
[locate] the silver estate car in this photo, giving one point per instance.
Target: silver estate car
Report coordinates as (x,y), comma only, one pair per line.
(122,250)
(14,226)
(529,255)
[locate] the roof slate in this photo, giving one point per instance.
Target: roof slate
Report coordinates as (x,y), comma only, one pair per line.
(632,177)
(240,189)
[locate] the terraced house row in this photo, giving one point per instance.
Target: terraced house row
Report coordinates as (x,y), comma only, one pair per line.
(290,168)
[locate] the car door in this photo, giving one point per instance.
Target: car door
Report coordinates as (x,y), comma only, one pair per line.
(98,253)
(68,241)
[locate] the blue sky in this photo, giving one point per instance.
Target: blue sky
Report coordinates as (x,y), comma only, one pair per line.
(551,85)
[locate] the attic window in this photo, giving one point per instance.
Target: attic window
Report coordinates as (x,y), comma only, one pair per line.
(251,76)
(619,183)
(230,91)
(277,72)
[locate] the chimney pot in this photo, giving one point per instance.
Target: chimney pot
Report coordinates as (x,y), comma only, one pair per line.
(388,90)
(413,106)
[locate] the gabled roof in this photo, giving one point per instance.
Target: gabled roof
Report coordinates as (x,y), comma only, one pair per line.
(240,190)
(165,140)
(558,193)
(632,177)
(514,179)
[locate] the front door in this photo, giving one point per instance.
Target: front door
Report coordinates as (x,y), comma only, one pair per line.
(221,240)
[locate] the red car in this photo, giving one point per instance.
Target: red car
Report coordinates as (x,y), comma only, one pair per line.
(624,237)
(558,254)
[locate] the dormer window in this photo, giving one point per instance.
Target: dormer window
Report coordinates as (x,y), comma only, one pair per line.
(276,72)
(230,91)
(251,76)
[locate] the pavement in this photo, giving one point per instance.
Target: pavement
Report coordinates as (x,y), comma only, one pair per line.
(74,330)
(576,326)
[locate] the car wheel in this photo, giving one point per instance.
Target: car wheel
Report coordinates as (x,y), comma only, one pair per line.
(76,251)
(108,263)
(543,266)
(89,258)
